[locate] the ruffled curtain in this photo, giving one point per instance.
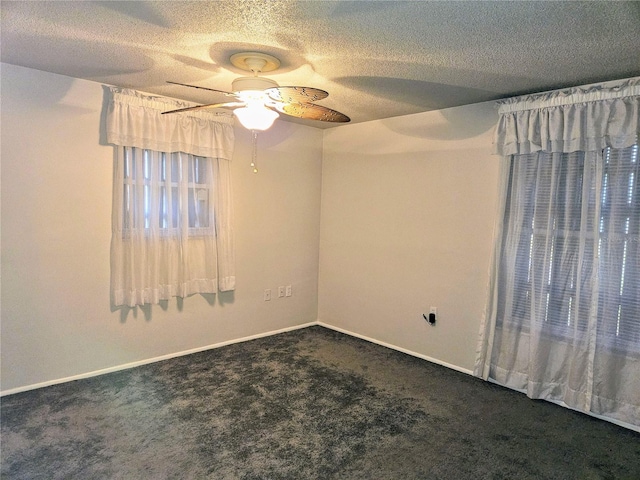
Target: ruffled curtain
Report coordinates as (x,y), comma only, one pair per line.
(136,120)
(172,231)
(563,311)
(583,119)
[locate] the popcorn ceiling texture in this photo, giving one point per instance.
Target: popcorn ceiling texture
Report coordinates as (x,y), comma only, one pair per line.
(376,59)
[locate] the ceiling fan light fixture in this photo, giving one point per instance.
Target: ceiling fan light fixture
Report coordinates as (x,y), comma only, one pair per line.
(255,116)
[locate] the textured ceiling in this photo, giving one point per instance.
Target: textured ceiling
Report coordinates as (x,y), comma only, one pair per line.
(376,59)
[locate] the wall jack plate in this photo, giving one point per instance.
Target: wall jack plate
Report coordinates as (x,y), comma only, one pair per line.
(431,319)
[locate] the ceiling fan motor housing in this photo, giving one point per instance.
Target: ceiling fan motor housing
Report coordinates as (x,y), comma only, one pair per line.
(242,84)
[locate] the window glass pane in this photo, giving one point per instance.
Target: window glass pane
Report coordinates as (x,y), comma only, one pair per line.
(147,165)
(163,218)
(198,207)
(175,168)
(163,168)
(147,213)
(157,196)
(175,207)
(197,170)
(127,164)
(126,203)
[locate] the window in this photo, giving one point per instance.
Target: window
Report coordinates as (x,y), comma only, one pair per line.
(563,312)
(566,216)
(172,232)
(161,190)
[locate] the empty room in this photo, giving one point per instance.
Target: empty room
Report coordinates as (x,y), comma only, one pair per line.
(320,240)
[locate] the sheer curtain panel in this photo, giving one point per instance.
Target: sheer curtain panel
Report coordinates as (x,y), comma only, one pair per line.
(172,229)
(563,313)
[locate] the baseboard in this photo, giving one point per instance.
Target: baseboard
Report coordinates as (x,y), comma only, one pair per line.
(139,363)
(395,347)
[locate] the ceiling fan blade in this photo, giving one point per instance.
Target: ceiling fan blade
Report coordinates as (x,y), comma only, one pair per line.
(296,94)
(208,106)
(311,111)
(229,94)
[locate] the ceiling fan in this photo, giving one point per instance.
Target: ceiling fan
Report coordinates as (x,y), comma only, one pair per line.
(258,100)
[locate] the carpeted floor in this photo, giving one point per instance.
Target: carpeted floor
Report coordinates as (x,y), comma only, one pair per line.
(308,404)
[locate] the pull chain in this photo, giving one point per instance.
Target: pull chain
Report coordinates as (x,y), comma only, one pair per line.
(254,151)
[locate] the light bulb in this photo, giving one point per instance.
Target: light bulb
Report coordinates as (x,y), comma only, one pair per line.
(255,116)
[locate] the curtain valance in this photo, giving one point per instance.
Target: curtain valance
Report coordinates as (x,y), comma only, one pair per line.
(585,118)
(136,120)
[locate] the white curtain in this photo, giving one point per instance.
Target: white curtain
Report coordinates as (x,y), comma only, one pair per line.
(563,313)
(172,229)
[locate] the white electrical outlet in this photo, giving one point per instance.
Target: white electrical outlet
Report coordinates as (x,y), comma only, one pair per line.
(267,295)
(433,310)
(280,292)
(288,290)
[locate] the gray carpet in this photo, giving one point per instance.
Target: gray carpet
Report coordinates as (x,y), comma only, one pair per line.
(308,404)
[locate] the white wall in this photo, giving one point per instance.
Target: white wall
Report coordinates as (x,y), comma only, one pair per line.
(406,219)
(56,317)
(408,209)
